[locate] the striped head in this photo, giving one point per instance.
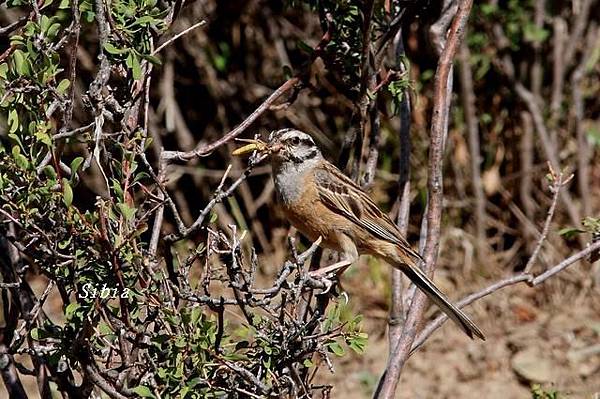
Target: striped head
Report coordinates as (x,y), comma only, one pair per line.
(291,145)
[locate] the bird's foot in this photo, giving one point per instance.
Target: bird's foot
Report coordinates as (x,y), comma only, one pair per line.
(327,282)
(332,270)
(328,275)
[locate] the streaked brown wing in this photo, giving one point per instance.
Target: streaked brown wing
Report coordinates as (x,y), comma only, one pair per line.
(343,196)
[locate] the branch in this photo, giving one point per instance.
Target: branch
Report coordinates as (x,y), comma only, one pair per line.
(517,278)
(472,123)
(177,36)
(565,263)
(389,381)
(557,184)
(219,196)
(206,149)
(396,318)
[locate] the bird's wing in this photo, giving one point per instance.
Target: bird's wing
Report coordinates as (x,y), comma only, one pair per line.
(343,196)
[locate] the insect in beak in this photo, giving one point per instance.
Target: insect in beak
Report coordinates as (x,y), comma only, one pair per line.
(256,145)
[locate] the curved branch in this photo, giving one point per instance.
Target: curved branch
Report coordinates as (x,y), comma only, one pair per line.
(208,148)
(512,280)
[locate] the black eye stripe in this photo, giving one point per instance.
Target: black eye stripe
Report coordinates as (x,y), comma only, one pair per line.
(306,141)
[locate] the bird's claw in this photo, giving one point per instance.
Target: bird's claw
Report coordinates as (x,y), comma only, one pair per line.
(325,279)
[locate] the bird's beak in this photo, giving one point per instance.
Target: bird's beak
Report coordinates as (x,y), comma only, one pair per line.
(256,145)
(275,148)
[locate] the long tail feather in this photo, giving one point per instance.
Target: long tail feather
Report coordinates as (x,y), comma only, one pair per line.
(420,279)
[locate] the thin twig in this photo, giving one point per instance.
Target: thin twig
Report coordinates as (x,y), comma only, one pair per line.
(566,263)
(208,148)
(219,196)
(177,36)
(472,122)
(437,323)
(557,184)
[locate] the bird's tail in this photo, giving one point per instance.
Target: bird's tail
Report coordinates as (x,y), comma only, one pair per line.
(420,279)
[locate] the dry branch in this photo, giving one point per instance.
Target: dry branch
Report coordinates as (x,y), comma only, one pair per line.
(389,381)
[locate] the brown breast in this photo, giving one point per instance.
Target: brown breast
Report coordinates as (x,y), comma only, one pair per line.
(313,219)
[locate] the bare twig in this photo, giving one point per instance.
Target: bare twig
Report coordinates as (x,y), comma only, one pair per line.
(177,36)
(437,323)
(517,278)
(472,122)
(396,318)
(208,148)
(557,183)
(218,197)
(565,263)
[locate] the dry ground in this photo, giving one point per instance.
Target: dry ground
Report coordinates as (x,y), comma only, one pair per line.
(549,335)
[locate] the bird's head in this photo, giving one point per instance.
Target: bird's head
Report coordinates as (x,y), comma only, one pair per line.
(284,146)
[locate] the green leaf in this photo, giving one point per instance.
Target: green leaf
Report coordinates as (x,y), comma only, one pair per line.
(336,348)
(19,158)
(152,59)
(143,391)
(535,34)
(127,211)
(593,135)
(75,164)
(39,333)
(53,30)
(44,138)
(305,47)
(44,23)
(145,20)
(358,343)
(591,224)
(3,70)
(195,315)
(71,309)
(113,50)
(308,363)
(13,121)
(133,62)
(67,192)
(63,86)
(49,171)
(20,61)
(570,232)
(488,9)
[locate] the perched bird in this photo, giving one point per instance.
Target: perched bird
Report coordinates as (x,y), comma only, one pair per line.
(320,201)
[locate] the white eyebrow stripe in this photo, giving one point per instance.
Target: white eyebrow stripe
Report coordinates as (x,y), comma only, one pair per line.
(296,133)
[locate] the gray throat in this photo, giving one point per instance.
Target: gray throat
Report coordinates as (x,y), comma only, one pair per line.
(289,177)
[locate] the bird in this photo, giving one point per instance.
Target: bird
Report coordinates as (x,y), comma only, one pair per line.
(323,203)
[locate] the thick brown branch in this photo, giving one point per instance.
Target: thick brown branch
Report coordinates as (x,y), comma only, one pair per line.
(389,382)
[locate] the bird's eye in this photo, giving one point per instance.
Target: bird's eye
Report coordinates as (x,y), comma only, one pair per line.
(296,140)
